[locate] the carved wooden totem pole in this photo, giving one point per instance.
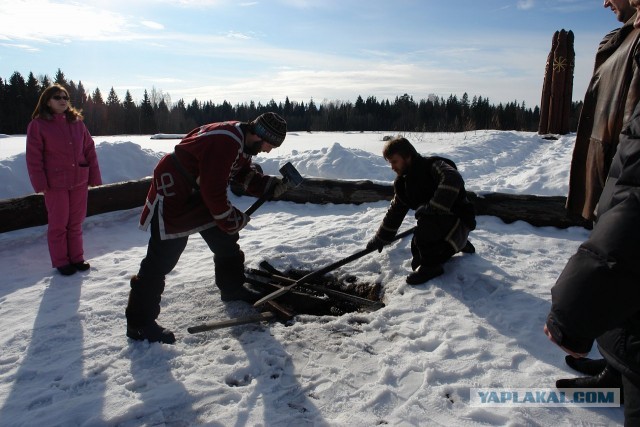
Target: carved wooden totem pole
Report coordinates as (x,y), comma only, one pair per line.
(557,89)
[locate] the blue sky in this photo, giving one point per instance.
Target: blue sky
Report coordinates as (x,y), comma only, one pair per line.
(323,50)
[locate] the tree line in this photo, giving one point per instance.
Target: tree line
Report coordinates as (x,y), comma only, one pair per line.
(156,113)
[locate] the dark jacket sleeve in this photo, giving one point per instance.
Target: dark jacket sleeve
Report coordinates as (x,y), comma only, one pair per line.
(450,183)
(598,289)
(392,220)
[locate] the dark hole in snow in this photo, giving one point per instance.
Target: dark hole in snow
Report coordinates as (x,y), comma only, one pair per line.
(322,296)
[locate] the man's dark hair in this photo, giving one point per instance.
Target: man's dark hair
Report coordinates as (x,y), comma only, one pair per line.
(398,145)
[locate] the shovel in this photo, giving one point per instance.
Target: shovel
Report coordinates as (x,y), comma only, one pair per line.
(325,270)
(290,176)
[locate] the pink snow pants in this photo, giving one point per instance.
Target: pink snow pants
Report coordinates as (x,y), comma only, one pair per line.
(66,210)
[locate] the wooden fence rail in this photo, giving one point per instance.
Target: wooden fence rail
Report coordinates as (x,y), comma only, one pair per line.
(539,211)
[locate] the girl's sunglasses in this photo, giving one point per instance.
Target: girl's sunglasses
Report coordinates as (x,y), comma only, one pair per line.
(59,97)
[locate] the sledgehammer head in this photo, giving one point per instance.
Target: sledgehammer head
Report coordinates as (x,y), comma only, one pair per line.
(290,175)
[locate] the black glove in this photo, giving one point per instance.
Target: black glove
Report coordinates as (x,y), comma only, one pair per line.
(279,188)
(423,210)
(376,243)
(276,188)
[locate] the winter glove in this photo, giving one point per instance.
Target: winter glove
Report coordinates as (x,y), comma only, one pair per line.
(423,210)
(376,243)
(233,221)
(278,188)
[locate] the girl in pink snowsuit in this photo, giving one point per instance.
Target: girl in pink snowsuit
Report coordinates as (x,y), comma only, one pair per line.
(62,163)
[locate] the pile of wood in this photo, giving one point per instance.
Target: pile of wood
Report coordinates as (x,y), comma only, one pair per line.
(320,296)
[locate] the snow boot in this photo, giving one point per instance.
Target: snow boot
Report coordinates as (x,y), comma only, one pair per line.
(230,279)
(585,365)
(151,332)
(67,270)
(82,265)
(424,274)
(243,292)
(468,248)
(608,378)
(143,308)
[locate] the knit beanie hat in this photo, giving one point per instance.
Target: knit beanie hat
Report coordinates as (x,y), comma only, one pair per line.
(271,128)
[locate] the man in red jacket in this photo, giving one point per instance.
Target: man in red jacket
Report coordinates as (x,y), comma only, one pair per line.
(188,195)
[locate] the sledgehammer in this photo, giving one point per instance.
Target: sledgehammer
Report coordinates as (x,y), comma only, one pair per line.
(290,176)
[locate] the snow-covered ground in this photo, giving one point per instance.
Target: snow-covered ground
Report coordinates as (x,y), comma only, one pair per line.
(65,360)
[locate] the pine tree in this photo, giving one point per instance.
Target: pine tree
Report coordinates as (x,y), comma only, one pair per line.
(96,114)
(33,90)
(115,114)
(97,97)
(61,79)
(161,113)
(16,112)
(147,120)
(81,97)
(131,115)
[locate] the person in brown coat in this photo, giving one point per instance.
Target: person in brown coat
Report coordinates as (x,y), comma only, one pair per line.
(611,97)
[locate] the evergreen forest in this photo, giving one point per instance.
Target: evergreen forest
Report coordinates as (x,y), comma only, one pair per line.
(156,113)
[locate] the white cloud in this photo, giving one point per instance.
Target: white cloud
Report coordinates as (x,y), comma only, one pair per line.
(526,4)
(196,3)
(164,80)
(25,47)
(237,35)
(152,25)
(385,80)
(46,21)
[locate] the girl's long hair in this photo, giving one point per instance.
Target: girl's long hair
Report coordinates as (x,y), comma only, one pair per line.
(42,109)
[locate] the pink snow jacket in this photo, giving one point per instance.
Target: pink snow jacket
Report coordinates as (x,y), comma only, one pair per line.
(61,155)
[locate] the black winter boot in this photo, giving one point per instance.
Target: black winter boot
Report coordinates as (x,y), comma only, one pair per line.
(468,248)
(608,378)
(244,292)
(67,270)
(151,332)
(143,309)
(424,274)
(230,279)
(585,365)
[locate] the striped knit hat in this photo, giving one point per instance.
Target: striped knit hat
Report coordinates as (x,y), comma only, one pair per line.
(271,128)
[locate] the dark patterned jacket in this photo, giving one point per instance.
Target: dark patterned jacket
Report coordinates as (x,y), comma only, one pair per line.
(597,296)
(434,181)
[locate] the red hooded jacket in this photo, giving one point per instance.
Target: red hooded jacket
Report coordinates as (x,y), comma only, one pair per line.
(213,155)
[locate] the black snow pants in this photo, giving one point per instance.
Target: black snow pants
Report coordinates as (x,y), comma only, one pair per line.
(162,256)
